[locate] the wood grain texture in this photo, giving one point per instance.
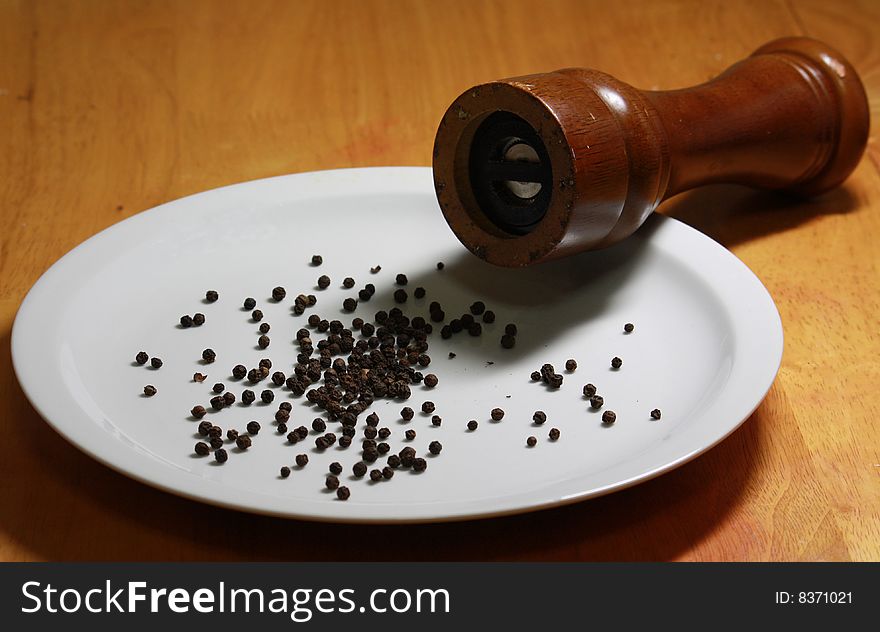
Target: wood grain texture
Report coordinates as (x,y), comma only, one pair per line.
(109,108)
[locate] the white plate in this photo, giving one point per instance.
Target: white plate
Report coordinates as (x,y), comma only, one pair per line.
(706,347)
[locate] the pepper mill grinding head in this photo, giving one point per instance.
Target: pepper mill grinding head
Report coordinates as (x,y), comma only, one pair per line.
(538,167)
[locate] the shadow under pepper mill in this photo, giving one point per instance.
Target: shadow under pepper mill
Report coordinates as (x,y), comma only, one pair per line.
(542,166)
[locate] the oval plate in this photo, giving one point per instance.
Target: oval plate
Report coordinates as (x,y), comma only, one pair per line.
(706,347)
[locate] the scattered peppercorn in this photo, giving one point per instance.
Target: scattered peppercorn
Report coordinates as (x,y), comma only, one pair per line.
(331,482)
(285,471)
(202,448)
(248,397)
(428,407)
(263,341)
(239,371)
(349,304)
(208,355)
(257,315)
(508,341)
(554,434)
(264,328)
(211,296)
(220,455)
(205,427)
(232,434)
(628,328)
(359,469)
(571,365)
(218,388)
(472,425)
(407,413)
(141,358)
(589,390)
(536,376)
(282,416)
(440,265)
(149,390)
(419,464)
(510,329)
(596,402)
(410,435)
(375,475)
(655,414)
(302,460)
(186,321)
(616,362)
(400,296)
(198,412)
(532,442)
(198,319)
(343,493)
(267,396)
(539,417)
(435,447)
(279,293)
(419,292)
(217,403)
(156,363)
(317,260)
(497,414)
(250,303)
(401,279)
(609,417)
(488,317)
(243,442)
(253,427)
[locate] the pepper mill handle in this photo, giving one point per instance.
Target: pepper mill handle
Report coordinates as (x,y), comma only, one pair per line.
(538,167)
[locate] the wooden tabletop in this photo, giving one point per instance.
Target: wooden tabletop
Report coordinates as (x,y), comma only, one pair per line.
(110,108)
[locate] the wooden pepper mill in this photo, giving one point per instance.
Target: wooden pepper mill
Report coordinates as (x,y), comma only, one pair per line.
(533,168)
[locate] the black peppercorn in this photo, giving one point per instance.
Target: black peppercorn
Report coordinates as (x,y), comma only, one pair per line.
(228,398)
(292,436)
(265,363)
(349,304)
(257,315)
(267,396)
(282,416)
(435,447)
(359,469)
(198,319)
(319,425)
(419,292)
(215,431)
(375,475)
(431,380)
(440,265)
(211,296)
(348,283)
(497,414)
(370,432)
(217,403)
(263,341)
(596,402)
(243,442)
(149,390)
(279,293)
(331,482)
(436,420)
(488,317)
(343,493)
(589,390)
(655,414)
(302,460)
(628,328)
(323,281)
(239,371)
(141,357)
(218,388)
(419,464)
(554,434)
(208,355)
(476,329)
(221,455)
(202,448)
(232,434)
(536,376)
(384,433)
(428,407)
(400,296)
(539,417)
(532,442)
(205,427)
(394,461)
(571,365)
(410,435)
(317,260)
(344,441)
(477,308)
(248,396)
(609,417)
(508,341)
(285,471)
(250,303)
(186,321)
(383,448)
(156,363)
(616,362)
(370,454)
(472,425)
(253,427)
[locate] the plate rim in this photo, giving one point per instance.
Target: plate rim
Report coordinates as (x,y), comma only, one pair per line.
(408,179)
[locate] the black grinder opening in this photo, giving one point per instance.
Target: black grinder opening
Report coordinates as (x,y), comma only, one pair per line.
(510,173)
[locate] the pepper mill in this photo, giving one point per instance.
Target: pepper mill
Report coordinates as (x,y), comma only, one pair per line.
(542,166)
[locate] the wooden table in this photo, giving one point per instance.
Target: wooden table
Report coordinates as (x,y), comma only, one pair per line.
(109,108)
